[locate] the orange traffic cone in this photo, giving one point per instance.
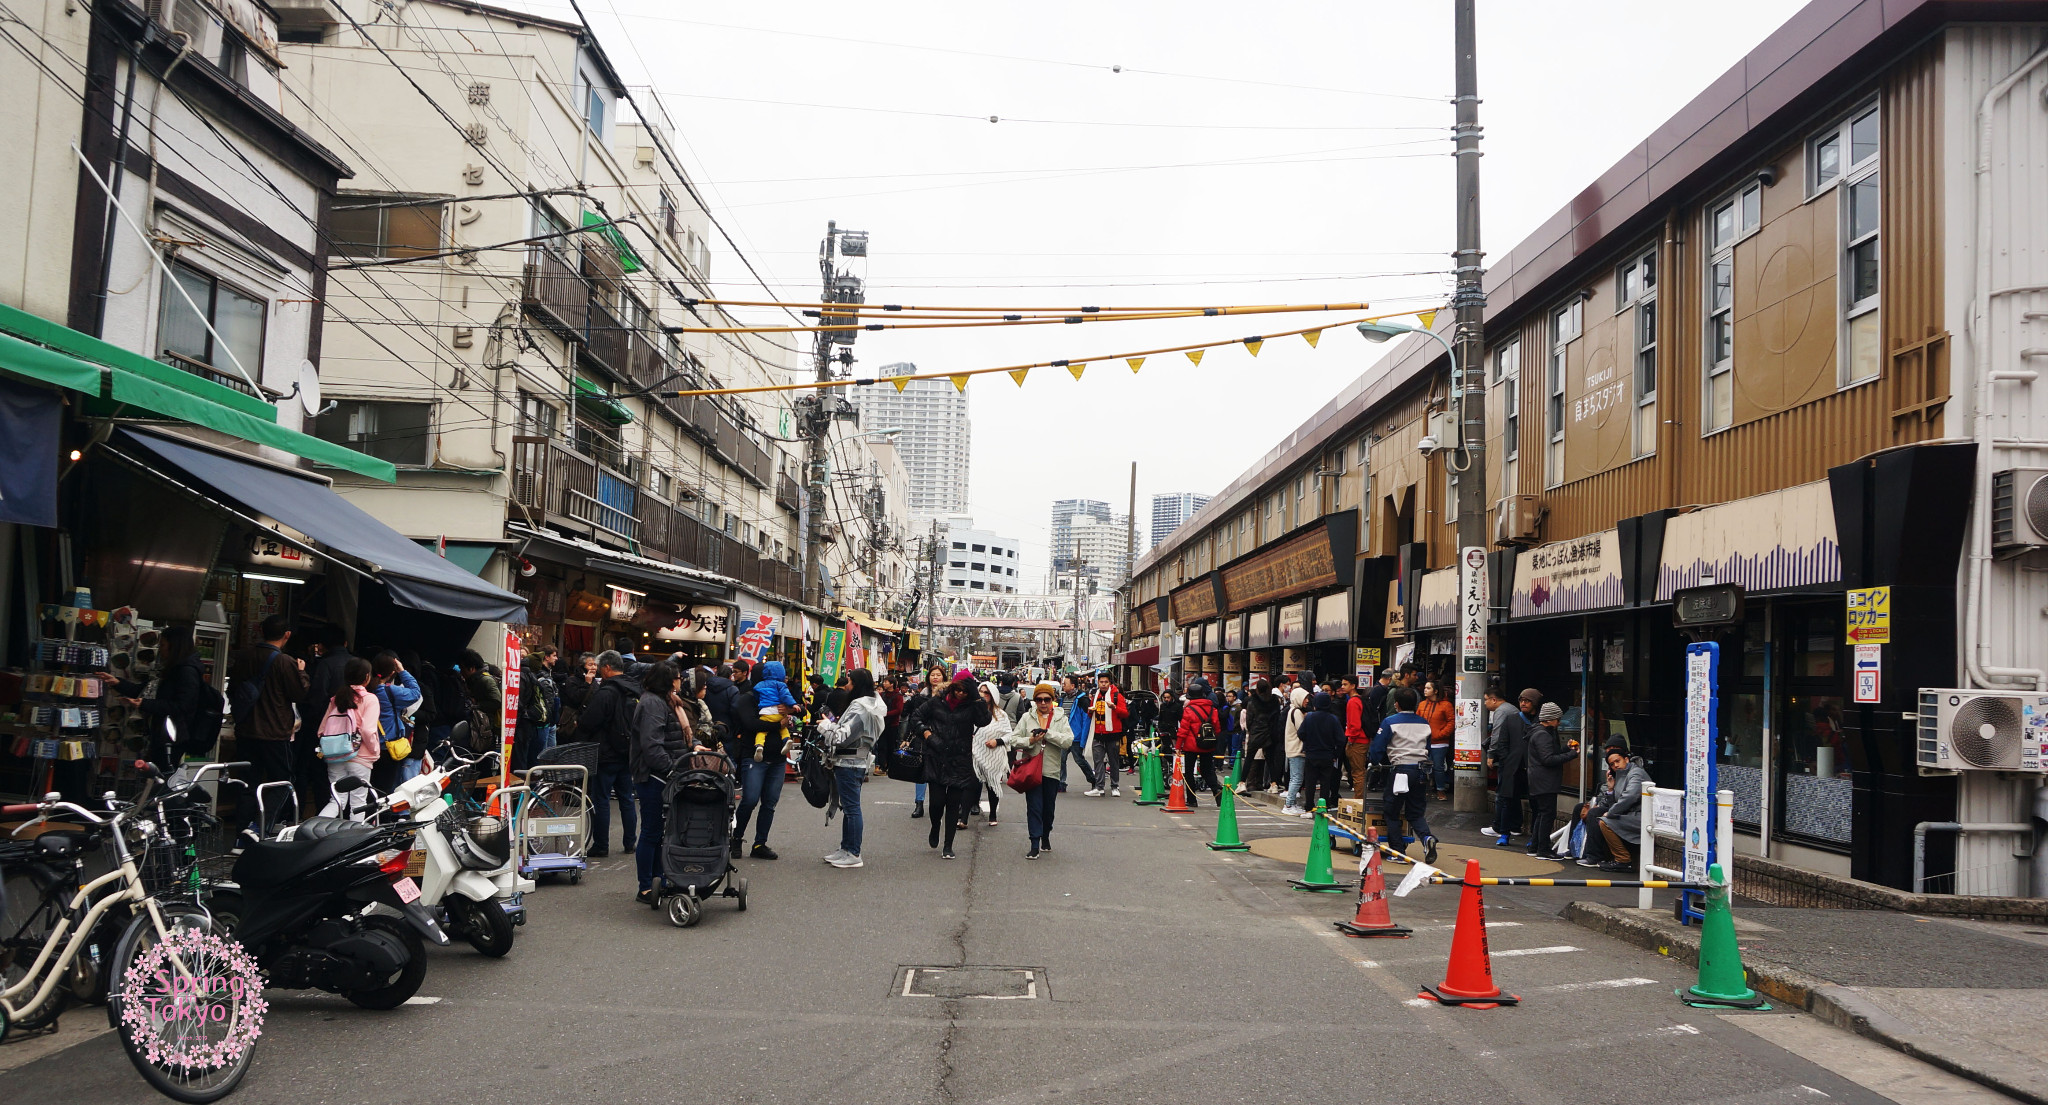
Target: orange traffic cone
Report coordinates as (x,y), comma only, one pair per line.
(1177,795)
(1373,917)
(1468,980)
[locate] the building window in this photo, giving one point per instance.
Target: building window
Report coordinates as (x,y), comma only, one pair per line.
(1844,157)
(1507,361)
(385,226)
(536,416)
(979,585)
(956,583)
(184,340)
(1636,286)
(959,544)
(959,564)
(980,548)
(1507,375)
(1728,222)
(979,566)
(1566,324)
(395,432)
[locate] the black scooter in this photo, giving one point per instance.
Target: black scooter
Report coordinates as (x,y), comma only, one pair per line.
(330,908)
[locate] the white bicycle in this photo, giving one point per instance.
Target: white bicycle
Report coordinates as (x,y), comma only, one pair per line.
(153,1041)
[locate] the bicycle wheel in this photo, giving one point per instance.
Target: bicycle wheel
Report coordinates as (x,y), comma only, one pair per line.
(191,1048)
(29,920)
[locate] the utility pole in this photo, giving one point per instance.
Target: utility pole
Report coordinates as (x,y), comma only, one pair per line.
(1468,304)
(817,411)
(935,550)
(1131,529)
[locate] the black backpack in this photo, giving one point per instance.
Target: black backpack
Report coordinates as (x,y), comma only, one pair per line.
(1205,737)
(202,732)
(814,771)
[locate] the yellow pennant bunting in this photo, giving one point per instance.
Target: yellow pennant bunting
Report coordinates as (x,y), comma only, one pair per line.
(901,382)
(959,381)
(1427,318)
(1253,344)
(1019,374)
(1195,355)
(1077,369)
(1136,363)
(1312,337)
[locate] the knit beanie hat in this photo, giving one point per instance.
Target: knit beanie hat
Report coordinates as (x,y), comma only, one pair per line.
(1549,712)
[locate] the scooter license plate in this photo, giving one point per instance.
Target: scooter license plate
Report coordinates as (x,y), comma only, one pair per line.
(408,890)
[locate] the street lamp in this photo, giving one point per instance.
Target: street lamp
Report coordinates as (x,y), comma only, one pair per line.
(1381,332)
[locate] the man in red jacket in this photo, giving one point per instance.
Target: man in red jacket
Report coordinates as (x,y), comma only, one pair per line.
(1107,709)
(1198,753)
(1357,740)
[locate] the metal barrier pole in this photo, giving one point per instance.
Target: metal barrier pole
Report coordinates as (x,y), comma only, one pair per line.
(1647,846)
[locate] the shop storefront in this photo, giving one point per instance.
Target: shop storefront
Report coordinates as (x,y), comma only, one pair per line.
(609,599)
(1296,596)
(1433,627)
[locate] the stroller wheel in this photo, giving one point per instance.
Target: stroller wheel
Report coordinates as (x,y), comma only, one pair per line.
(740,888)
(682,911)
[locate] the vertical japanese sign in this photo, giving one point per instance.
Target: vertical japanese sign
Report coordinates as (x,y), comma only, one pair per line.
(856,655)
(508,713)
(757,632)
(1702,721)
(830,648)
(1870,616)
(1472,609)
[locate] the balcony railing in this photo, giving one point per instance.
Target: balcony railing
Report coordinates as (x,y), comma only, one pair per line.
(553,286)
(786,493)
(605,342)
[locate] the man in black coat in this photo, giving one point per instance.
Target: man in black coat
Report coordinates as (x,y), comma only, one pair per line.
(760,779)
(607,719)
(1511,757)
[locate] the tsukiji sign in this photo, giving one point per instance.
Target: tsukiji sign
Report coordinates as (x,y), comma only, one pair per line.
(1308,561)
(1568,576)
(1199,600)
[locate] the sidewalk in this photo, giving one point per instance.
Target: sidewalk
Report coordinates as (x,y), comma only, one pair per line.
(1967,996)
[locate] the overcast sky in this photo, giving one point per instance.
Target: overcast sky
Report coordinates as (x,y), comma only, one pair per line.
(1295,152)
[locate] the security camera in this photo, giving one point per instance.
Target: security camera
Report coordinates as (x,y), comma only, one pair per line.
(1428,445)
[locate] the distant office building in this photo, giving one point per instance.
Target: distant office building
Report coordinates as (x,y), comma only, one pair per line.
(1102,549)
(979,560)
(1063,514)
(935,441)
(1169,511)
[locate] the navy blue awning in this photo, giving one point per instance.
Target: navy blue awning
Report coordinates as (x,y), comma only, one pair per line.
(416,577)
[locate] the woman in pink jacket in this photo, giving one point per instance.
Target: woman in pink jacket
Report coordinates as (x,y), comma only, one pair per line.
(353,711)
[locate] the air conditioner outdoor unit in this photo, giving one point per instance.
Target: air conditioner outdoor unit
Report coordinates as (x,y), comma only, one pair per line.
(2019,508)
(1515,520)
(1963,730)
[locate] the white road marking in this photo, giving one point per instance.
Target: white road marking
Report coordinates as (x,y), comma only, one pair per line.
(422,1001)
(1604,984)
(1536,951)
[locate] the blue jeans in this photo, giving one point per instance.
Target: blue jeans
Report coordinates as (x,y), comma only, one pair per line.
(849,780)
(547,739)
(1440,766)
(1038,809)
(1297,766)
(408,769)
(647,854)
(760,785)
(612,779)
(919,793)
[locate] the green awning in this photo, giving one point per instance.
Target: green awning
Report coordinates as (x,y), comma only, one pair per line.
(43,350)
(599,402)
(628,260)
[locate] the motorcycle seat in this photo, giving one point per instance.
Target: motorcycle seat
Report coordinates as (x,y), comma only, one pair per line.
(271,862)
(320,828)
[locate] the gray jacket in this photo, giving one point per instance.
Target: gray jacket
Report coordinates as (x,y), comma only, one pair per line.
(1546,758)
(1623,811)
(864,719)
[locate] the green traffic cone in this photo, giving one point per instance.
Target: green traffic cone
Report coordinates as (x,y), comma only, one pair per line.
(1723,983)
(1226,824)
(1236,771)
(1316,876)
(1150,788)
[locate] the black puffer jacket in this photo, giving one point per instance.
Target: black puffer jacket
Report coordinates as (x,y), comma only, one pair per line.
(608,719)
(949,753)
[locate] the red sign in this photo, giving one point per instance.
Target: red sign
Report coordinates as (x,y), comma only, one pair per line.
(508,715)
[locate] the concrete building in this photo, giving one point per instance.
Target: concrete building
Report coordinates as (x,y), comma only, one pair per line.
(1098,551)
(936,441)
(1705,367)
(1064,511)
(978,559)
(1172,510)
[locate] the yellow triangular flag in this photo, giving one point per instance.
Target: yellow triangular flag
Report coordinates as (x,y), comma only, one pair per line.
(1312,337)
(901,382)
(959,381)
(1077,369)
(1136,363)
(1018,375)
(1253,344)
(1427,318)
(1195,355)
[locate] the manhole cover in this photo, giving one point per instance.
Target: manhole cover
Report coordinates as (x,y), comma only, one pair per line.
(998,983)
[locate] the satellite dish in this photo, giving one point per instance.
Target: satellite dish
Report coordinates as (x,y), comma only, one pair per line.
(308,389)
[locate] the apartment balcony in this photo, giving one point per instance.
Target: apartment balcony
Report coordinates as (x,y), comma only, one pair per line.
(786,495)
(557,292)
(605,343)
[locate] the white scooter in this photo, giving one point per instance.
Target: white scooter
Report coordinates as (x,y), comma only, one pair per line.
(467,869)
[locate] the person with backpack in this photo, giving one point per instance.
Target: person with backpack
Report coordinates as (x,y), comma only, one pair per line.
(538,703)
(486,701)
(398,693)
(607,721)
(1198,736)
(350,736)
(763,749)
(265,687)
(1261,751)
(863,720)
(1402,744)
(1290,744)
(183,699)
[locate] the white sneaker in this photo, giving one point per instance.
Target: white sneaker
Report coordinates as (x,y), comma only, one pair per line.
(846,860)
(837,855)
(1290,811)
(1305,815)
(1488,831)
(1116,792)
(1096,793)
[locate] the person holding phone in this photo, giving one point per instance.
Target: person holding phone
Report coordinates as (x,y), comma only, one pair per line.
(1043,731)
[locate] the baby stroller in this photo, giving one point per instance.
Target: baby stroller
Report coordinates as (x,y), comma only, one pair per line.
(695,861)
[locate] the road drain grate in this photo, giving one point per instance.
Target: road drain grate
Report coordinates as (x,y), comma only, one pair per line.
(994,983)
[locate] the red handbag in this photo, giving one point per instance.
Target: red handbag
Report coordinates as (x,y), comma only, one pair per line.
(1027,774)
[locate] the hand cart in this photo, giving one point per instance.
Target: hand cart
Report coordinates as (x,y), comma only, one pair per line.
(552,822)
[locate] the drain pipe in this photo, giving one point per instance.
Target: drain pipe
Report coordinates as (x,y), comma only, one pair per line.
(2039,867)
(1920,831)
(1975,652)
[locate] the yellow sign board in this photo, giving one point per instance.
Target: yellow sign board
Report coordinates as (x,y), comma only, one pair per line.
(1368,657)
(1870,616)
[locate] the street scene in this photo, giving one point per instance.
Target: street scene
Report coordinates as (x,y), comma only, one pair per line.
(1452,551)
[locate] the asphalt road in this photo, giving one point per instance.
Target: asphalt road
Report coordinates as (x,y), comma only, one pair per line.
(1160,971)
